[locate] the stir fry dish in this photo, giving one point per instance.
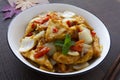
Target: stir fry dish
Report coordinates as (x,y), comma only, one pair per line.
(60,42)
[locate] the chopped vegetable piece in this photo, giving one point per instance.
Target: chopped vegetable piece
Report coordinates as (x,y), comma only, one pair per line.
(27,43)
(55,30)
(79,30)
(39,48)
(78,46)
(42,21)
(79,42)
(33,26)
(68,23)
(39,35)
(41,52)
(93,33)
(37,21)
(45,19)
(85,35)
(73,53)
(68,14)
(52,48)
(29,34)
(81,66)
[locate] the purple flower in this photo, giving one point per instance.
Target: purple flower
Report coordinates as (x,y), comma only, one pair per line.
(9,11)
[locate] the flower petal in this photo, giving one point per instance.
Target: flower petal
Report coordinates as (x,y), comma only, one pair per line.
(6,8)
(11,2)
(19,6)
(39,1)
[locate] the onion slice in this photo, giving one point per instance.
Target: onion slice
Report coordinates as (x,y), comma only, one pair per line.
(85,35)
(67,14)
(73,53)
(26,44)
(80,66)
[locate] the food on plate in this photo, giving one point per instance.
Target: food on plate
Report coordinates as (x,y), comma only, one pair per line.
(60,42)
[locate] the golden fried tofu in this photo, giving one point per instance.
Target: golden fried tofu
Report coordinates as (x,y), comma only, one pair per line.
(67,59)
(41,61)
(87,56)
(46,69)
(85,25)
(96,47)
(54,15)
(80,19)
(55,30)
(37,24)
(29,29)
(62,67)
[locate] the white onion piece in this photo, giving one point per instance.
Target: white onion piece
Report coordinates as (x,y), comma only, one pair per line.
(53,62)
(26,44)
(52,48)
(32,55)
(85,35)
(68,14)
(80,66)
(85,49)
(37,18)
(73,53)
(39,35)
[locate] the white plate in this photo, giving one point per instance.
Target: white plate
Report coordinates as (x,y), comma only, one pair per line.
(19,23)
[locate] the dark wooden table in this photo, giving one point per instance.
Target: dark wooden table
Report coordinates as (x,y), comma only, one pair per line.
(107,10)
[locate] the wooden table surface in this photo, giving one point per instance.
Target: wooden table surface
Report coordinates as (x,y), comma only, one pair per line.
(106,10)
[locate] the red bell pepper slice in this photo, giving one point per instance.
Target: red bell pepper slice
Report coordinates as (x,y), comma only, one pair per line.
(41,51)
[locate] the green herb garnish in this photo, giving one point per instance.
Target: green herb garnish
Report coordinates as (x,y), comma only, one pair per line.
(66,44)
(59,43)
